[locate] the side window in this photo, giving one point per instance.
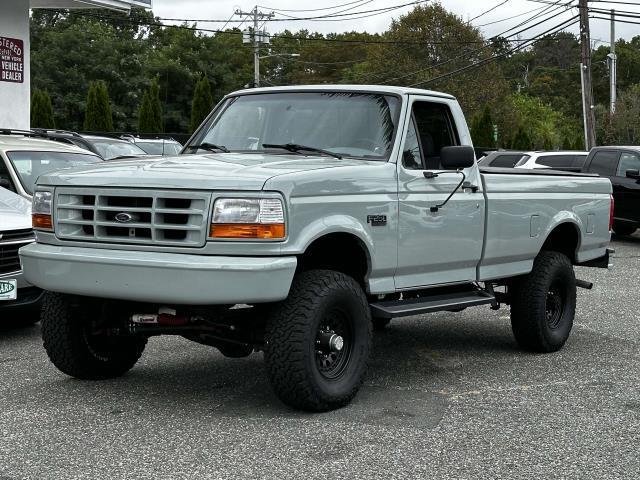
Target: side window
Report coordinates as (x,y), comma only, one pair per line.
(556,160)
(628,161)
(411,157)
(578,161)
(505,161)
(435,129)
(604,162)
(4,175)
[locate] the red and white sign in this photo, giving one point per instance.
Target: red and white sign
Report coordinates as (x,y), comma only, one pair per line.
(11,60)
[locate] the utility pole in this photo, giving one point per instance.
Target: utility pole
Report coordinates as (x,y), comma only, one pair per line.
(258,38)
(613,63)
(585,75)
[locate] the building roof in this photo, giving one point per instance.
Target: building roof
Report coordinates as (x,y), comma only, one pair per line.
(117,4)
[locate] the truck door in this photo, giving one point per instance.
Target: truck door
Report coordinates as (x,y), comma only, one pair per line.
(605,164)
(444,246)
(628,188)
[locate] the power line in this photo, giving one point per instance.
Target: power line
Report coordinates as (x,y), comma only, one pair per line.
(483,62)
(489,11)
(309,10)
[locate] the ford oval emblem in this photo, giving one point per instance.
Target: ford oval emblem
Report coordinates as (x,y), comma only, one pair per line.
(124,217)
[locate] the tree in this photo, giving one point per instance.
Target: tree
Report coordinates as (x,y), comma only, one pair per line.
(155,108)
(41,110)
(150,111)
(521,140)
(98,117)
(482,131)
(202,103)
(144,114)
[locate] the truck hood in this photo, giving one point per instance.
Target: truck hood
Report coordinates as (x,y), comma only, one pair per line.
(15,211)
(224,171)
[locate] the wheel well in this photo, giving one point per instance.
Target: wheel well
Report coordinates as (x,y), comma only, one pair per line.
(564,239)
(341,252)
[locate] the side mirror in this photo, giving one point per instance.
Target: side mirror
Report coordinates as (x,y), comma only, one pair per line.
(454,158)
(635,174)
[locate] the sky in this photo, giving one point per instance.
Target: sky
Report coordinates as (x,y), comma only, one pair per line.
(506,15)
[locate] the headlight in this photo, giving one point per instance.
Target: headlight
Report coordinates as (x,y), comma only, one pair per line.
(41,211)
(258,218)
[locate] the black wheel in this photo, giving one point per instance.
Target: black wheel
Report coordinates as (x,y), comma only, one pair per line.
(623,229)
(318,341)
(72,339)
(543,304)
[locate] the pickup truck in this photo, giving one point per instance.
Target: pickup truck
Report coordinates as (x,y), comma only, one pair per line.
(621,165)
(297,220)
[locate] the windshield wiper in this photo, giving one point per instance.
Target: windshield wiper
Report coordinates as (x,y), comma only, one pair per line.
(212,147)
(295,148)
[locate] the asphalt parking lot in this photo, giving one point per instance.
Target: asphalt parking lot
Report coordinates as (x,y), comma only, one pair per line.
(447,396)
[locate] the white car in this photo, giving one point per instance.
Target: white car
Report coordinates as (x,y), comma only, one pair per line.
(19,301)
(155,146)
(566,160)
(24,157)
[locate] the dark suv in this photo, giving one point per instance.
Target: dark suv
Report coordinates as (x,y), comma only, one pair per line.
(622,166)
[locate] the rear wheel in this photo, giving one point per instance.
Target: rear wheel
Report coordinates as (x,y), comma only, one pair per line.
(543,304)
(623,229)
(78,344)
(318,341)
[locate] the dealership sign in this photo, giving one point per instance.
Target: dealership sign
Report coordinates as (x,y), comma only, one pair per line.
(11,60)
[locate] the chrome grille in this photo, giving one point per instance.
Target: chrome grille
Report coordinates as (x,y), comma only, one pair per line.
(10,243)
(147,217)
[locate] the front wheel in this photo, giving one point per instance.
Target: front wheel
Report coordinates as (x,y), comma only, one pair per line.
(78,346)
(543,304)
(318,341)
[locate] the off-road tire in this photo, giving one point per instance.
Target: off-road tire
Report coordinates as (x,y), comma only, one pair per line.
(550,287)
(67,340)
(623,229)
(291,350)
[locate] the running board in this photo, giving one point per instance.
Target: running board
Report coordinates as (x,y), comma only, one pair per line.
(435,303)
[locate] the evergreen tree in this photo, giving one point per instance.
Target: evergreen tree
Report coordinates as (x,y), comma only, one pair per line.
(547,145)
(41,110)
(98,116)
(155,108)
(521,140)
(202,103)
(144,114)
(482,131)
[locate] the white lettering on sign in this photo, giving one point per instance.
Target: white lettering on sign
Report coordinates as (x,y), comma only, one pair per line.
(11,60)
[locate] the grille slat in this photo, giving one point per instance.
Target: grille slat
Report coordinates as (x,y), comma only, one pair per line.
(156,218)
(9,245)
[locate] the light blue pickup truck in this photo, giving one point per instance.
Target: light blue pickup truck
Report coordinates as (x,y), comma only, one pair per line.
(295,222)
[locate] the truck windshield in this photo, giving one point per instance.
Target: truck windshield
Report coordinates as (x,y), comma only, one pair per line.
(351,124)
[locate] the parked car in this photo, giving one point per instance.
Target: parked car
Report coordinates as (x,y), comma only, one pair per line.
(310,209)
(501,159)
(24,158)
(106,147)
(564,160)
(155,146)
(19,300)
(621,165)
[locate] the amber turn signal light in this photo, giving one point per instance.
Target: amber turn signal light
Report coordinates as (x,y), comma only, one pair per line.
(42,222)
(240,230)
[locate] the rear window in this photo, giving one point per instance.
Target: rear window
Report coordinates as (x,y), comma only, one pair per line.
(604,162)
(556,161)
(505,161)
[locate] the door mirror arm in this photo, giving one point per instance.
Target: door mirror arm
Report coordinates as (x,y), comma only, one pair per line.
(428,174)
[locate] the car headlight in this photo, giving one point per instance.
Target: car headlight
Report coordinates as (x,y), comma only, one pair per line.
(41,210)
(257,218)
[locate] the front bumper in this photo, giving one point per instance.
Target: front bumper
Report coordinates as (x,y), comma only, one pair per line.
(154,277)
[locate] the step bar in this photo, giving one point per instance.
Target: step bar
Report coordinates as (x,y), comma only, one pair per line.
(430,304)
